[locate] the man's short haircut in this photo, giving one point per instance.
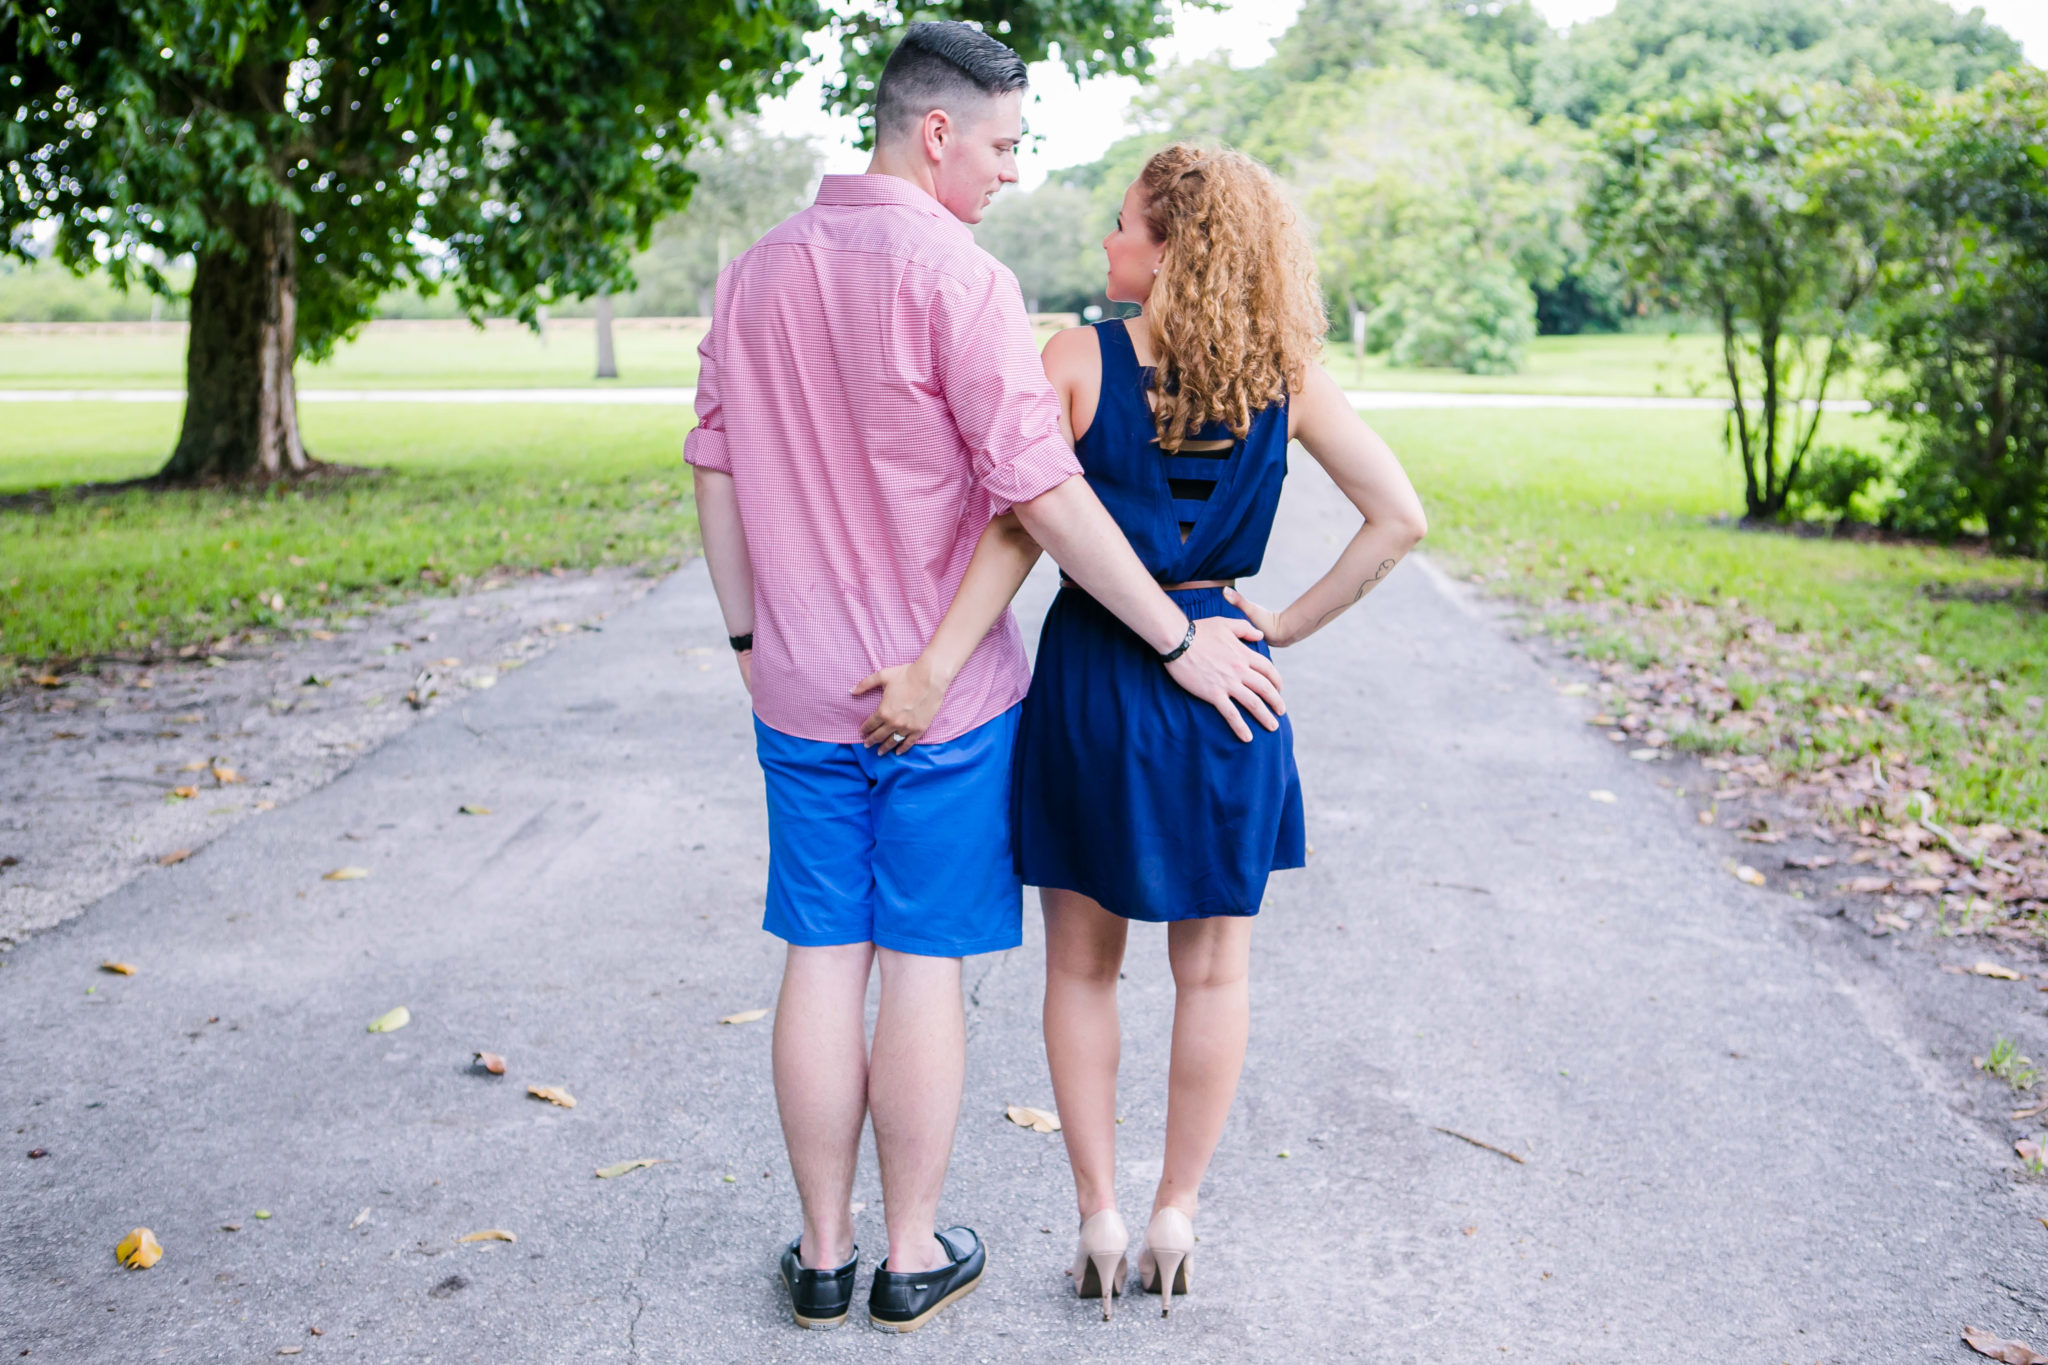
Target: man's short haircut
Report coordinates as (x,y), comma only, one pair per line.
(942,65)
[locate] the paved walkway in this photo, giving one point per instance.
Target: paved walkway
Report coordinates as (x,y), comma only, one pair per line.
(1733,1152)
(1368,399)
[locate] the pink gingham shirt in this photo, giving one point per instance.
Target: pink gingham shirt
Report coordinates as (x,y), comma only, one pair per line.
(870,383)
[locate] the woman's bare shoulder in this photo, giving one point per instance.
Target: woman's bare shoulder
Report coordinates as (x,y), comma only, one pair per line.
(1072,349)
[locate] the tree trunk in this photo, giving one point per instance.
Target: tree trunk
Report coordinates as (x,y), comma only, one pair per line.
(241,410)
(607,367)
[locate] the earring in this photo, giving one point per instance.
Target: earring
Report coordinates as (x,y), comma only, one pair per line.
(1155,270)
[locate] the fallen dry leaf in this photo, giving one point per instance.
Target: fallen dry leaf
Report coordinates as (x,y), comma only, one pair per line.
(174,857)
(618,1169)
(391,1020)
(553,1094)
(1762,836)
(48,680)
(1646,755)
(2011,1352)
(1812,864)
(1922,886)
(488,1235)
(1746,873)
(139,1250)
(472,810)
(195,766)
(1867,886)
(289,1350)
(1891,921)
(346,874)
(1572,690)
(1992,969)
(185,793)
(1607,797)
(491,1062)
(744,1017)
(118,968)
(360,1218)
(2028,1149)
(225,775)
(1037,1120)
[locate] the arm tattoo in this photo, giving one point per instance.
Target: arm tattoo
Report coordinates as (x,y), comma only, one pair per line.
(1386,567)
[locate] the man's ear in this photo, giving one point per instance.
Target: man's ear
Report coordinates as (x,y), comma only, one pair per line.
(937,132)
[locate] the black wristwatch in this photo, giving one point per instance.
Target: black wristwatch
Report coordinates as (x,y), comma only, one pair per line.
(1182,647)
(741,643)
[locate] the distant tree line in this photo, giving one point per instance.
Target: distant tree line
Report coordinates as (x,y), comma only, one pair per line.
(1831,185)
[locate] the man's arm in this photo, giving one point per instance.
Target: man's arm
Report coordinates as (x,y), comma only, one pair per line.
(725,555)
(1006,411)
(1078,532)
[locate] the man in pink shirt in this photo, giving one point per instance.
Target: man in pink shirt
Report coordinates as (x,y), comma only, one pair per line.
(869,400)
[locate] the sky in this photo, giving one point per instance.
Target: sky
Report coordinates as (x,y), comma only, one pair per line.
(1072,126)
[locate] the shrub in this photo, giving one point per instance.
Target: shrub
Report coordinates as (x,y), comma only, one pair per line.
(1831,481)
(1479,319)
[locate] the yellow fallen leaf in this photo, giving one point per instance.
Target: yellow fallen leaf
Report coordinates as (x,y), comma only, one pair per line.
(321,634)
(48,680)
(184,793)
(196,765)
(1992,969)
(744,1017)
(1037,1120)
(1749,874)
(491,1062)
(488,1235)
(174,857)
(123,969)
(225,775)
(139,1250)
(613,1172)
(346,874)
(391,1020)
(553,1094)
(472,810)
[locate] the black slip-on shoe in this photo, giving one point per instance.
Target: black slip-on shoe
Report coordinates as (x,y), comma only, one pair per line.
(905,1302)
(819,1298)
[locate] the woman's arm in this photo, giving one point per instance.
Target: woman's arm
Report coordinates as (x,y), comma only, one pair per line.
(1360,464)
(912,692)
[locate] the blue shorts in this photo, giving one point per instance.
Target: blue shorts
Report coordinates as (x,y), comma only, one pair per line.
(909,851)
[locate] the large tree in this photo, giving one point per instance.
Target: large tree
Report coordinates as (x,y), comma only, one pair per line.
(1965,316)
(1767,210)
(309,155)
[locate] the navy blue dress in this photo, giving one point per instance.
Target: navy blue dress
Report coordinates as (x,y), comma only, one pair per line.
(1128,790)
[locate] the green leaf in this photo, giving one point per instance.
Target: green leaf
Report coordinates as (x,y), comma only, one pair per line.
(391,1020)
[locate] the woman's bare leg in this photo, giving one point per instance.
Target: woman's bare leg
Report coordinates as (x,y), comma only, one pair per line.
(1211,1021)
(1084,950)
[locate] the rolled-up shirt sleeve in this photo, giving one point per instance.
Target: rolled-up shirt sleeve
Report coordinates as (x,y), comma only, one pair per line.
(995,386)
(705,446)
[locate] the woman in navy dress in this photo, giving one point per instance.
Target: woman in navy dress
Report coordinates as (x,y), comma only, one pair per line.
(1134,801)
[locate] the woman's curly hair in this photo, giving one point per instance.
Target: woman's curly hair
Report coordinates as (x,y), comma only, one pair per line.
(1236,313)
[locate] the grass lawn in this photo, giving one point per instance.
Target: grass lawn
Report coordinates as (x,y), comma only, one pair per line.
(1817,652)
(388,355)
(468,491)
(398,355)
(1617,526)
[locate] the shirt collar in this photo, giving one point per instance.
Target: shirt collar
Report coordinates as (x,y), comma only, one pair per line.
(875,188)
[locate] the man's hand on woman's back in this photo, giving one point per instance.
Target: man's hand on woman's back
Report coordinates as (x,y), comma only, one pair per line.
(1221,669)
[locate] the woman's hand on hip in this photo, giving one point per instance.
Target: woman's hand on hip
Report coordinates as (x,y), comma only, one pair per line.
(911,696)
(1270,623)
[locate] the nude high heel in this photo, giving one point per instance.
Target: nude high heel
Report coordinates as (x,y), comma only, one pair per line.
(1163,1264)
(1099,1264)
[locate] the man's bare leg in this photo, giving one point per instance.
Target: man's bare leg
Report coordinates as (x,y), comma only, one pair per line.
(821,1085)
(914,1079)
